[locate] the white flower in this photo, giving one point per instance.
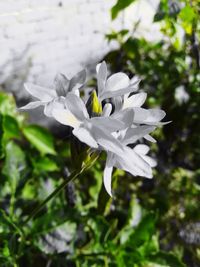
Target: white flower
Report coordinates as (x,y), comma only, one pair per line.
(49,97)
(96,131)
(116,85)
(133,160)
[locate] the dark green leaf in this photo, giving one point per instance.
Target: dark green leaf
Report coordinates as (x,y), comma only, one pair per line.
(119,6)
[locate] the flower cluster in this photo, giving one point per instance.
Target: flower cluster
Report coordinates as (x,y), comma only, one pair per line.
(115,123)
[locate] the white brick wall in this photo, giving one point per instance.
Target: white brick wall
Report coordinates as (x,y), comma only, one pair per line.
(41,38)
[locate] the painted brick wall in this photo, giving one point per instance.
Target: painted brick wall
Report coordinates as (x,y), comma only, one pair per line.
(39,38)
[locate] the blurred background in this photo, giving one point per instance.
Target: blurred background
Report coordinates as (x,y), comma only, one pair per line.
(148,223)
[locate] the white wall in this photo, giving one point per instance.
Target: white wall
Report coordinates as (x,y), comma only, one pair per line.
(39,38)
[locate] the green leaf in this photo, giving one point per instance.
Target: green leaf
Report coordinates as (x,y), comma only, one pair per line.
(14,163)
(119,6)
(7,104)
(10,127)
(143,232)
(45,164)
(40,138)
(166,259)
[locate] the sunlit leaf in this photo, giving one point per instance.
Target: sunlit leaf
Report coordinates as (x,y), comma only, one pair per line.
(40,138)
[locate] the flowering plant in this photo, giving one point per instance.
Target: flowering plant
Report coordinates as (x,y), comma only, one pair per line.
(111,119)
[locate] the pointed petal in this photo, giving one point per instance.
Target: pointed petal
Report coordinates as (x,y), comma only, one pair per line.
(77,107)
(106,140)
(101,76)
(148,116)
(107,109)
(117,81)
(108,123)
(130,161)
(85,136)
(61,84)
(152,162)
(110,94)
(125,116)
(150,138)
(77,81)
(107,175)
(136,100)
(42,93)
(32,105)
(133,134)
(65,117)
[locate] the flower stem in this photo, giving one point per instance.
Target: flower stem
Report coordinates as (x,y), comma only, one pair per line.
(72,177)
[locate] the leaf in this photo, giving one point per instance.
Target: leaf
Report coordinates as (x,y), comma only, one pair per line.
(40,138)
(119,6)
(58,240)
(14,163)
(10,127)
(7,104)
(143,232)
(166,259)
(45,164)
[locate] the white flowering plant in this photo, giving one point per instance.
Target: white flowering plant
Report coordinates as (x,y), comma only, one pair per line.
(112,120)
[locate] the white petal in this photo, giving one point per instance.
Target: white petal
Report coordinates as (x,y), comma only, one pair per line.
(108,123)
(76,105)
(107,109)
(101,76)
(136,100)
(148,116)
(152,162)
(42,93)
(85,136)
(107,176)
(61,84)
(130,161)
(65,117)
(111,94)
(125,116)
(106,140)
(32,105)
(133,134)
(150,138)
(141,149)
(117,81)
(77,80)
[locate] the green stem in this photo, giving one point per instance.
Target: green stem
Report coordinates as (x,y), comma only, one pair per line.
(72,176)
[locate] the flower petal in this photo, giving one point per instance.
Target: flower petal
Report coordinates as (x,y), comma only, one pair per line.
(108,123)
(61,84)
(141,149)
(120,92)
(42,93)
(106,140)
(117,81)
(125,116)
(85,136)
(136,100)
(133,134)
(107,109)
(77,81)
(101,76)
(65,117)
(131,162)
(33,105)
(148,116)
(150,138)
(77,107)
(107,175)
